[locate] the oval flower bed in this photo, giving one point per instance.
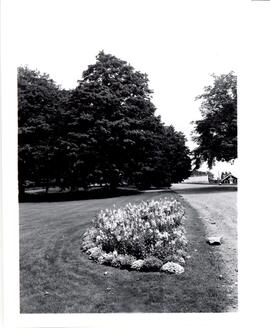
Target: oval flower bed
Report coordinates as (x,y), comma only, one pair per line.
(148,236)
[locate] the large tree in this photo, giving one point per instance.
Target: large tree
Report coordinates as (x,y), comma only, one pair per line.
(103,131)
(216,132)
(115,133)
(38,117)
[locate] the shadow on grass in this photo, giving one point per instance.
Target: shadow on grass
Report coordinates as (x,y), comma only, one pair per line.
(76,195)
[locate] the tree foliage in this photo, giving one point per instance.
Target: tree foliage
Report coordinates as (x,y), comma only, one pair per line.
(216,132)
(38,101)
(104,131)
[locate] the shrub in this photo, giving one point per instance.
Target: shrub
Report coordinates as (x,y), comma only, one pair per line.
(106,258)
(95,253)
(176,259)
(123,261)
(150,230)
(152,264)
(86,245)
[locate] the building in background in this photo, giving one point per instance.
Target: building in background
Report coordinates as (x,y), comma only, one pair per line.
(200,177)
(228,178)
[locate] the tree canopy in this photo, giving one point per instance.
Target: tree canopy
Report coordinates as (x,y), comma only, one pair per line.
(216,132)
(38,101)
(104,131)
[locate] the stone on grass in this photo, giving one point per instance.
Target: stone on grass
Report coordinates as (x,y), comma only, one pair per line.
(214,240)
(137,265)
(171,267)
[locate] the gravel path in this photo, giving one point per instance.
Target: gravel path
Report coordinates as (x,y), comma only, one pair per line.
(217,208)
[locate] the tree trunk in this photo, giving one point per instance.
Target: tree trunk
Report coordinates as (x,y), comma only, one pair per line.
(21,189)
(47,186)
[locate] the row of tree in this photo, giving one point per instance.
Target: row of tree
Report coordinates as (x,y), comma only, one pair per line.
(104,131)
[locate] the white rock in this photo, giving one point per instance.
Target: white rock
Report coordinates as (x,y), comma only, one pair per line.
(137,265)
(214,240)
(172,267)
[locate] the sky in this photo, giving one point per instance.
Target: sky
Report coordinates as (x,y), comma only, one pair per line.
(177,43)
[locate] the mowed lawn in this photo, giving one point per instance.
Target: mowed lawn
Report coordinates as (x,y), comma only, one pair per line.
(56,277)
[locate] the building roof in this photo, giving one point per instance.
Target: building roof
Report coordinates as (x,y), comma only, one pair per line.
(227,176)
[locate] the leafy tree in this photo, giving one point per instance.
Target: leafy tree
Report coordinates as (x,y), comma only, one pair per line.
(115,133)
(216,132)
(103,131)
(177,154)
(38,99)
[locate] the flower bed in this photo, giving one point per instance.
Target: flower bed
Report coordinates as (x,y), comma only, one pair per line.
(142,236)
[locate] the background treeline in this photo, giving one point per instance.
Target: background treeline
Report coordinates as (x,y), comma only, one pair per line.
(102,132)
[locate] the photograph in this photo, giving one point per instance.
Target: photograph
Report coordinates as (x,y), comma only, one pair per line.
(122,123)
(127,160)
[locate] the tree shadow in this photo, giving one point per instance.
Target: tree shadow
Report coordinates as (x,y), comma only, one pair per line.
(98,193)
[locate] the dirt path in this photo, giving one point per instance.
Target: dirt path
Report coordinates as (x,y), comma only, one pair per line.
(217,209)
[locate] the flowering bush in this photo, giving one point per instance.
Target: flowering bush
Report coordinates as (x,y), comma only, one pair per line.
(123,261)
(152,263)
(150,230)
(106,258)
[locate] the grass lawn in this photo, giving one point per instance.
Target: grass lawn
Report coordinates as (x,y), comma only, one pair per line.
(56,277)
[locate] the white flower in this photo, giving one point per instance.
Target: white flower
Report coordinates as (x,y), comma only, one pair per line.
(154,222)
(147,225)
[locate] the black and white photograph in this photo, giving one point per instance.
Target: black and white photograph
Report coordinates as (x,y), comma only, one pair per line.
(125,146)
